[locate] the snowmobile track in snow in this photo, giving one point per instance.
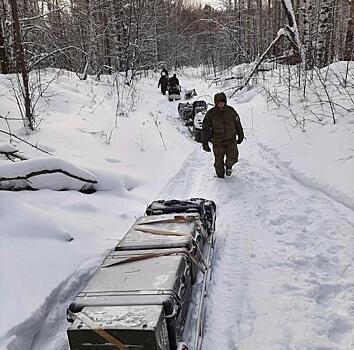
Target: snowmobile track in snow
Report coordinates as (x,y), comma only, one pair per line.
(270,263)
(283,266)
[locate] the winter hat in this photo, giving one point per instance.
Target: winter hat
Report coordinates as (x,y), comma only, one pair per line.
(220,97)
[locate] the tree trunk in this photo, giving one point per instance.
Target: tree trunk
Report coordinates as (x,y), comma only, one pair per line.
(22,67)
(323,30)
(306,23)
(349,42)
(4,61)
(260,27)
(293,28)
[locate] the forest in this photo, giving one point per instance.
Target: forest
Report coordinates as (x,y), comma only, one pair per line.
(88,140)
(130,37)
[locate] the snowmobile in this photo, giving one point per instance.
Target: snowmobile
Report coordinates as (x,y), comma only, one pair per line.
(199,106)
(185,111)
(199,110)
(193,115)
(140,295)
(174,92)
(198,125)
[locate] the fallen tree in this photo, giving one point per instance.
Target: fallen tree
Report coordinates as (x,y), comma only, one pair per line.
(45,173)
(289,32)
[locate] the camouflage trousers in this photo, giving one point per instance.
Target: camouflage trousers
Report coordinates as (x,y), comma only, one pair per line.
(226,149)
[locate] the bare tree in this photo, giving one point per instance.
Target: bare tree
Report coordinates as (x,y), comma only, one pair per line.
(324,27)
(349,43)
(108,36)
(22,67)
(4,60)
(307,29)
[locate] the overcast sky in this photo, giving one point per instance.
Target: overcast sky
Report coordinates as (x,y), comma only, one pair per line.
(210,2)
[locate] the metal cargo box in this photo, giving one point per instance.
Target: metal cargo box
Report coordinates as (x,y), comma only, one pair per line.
(206,209)
(167,231)
(137,327)
(163,281)
(127,256)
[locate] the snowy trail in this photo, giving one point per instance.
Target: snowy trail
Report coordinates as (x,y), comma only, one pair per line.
(283,265)
(46,328)
(283,262)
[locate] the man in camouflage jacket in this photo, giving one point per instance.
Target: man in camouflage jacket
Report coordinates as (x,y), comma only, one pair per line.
(222,126)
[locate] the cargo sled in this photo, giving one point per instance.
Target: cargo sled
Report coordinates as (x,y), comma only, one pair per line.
(142,303)
(174,93)
(140,295)
(187,111)
(205,208)
(188,94)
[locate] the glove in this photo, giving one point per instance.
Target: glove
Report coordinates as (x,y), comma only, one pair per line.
(239,140)
(206,147)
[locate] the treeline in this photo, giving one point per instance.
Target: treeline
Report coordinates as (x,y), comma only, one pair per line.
(101,36)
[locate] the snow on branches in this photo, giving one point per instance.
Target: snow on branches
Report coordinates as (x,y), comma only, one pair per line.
(45,173)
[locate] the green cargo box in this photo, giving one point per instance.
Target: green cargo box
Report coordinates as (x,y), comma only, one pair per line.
(155,232)
(162,282)
(194,260)
(138,327)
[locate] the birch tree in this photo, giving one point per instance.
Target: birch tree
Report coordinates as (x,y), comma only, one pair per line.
(4,60)
(96,36)
(349,43)
(27,114)
(307,29)
(324,27)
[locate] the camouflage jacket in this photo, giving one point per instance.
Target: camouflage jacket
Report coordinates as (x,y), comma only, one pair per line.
(221,125)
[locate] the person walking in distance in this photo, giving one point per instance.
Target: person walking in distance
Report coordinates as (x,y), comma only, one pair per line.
(165,71)
(173,81)
(222,127)
(163,82)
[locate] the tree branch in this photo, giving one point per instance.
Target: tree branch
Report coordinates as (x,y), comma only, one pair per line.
(43,172)
(22,140)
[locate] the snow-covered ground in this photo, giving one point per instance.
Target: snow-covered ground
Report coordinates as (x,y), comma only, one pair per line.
(283,273)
